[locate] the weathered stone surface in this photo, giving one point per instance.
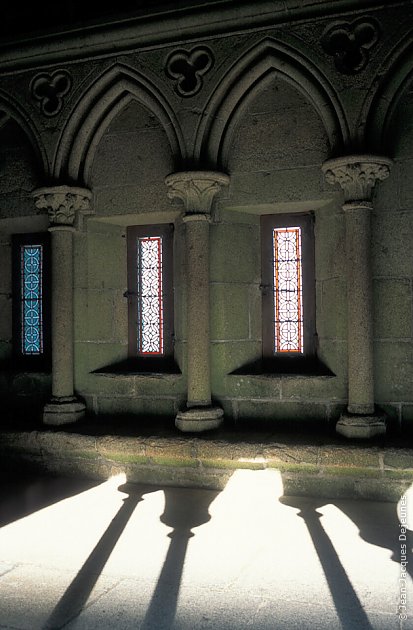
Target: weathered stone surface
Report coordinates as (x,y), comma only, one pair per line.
(393,308)
(349,456)
(400,459)
(393,371)
(198,419)
(271,110)
(392,237)
(63,410)
(275,410)
(326,470)
(234,253)
(361,426)
(230,314)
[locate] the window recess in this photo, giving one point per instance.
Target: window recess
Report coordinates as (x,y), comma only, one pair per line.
(150,293)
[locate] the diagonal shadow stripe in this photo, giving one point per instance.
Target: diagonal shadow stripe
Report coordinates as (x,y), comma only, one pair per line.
(79,590)
(347,604)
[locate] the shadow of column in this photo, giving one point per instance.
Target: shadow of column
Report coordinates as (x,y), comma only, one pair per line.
(347,604)
(369,523)
(184,510)
(77,594)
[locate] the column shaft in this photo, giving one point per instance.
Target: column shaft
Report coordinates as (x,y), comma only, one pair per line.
(359,309)
(197,249)
(196,189)
(62,203)
(62,311)
(357,175)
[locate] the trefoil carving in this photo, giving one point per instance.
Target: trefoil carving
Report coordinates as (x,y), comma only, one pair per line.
(349,43)
(49,90)
(187,69)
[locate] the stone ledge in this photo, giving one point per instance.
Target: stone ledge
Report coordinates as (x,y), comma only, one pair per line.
(328,470)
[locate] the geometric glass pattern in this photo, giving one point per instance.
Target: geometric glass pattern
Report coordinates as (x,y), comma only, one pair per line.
(288,291)
(31,282)
(150,333)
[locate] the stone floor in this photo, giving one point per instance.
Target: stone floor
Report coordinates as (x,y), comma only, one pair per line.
(87,554)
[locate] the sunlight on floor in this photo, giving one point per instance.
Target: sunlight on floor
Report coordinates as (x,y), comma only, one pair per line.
(247,545)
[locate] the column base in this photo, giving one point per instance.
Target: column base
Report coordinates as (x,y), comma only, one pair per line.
(199,419)
(63,410)
(361,427)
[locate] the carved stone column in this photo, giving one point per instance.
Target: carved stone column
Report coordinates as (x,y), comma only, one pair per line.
(62,204)
(357,175)
(196,190)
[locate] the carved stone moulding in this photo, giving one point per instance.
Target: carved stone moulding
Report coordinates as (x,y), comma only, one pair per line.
(357,174)
(349,43)
(187,68)
(196,189)
(49,90)
(62,202)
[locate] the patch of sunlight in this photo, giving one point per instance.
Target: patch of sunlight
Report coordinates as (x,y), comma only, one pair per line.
(252,539)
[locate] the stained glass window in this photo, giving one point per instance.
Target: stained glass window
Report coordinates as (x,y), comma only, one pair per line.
(150,295)
(31,262)
(150,337)
(31,284)
(287,287)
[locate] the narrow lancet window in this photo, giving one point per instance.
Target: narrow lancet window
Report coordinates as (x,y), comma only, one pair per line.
(150,307)
(31,283)
(287,286)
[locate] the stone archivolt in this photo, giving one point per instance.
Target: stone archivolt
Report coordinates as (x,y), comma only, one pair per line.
(243,81)
(106,97)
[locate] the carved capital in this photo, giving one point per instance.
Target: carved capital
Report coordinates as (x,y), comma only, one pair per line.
(357,174)
(62,202)
(196,189)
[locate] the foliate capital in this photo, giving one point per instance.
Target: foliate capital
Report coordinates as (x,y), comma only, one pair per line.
(357,174)
(196,189)
(62,202)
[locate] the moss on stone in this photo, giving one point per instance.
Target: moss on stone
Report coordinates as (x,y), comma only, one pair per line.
(176,462)
(353,471)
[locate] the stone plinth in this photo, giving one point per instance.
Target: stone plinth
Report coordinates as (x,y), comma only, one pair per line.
(361,426)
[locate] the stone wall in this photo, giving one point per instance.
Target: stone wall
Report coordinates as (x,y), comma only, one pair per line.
(267,104)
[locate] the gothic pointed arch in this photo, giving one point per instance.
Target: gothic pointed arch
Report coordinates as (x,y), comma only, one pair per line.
(103,101)
(383,98)
(249,75)
(10,109)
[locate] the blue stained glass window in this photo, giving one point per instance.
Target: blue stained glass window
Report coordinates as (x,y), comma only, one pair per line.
(31,269)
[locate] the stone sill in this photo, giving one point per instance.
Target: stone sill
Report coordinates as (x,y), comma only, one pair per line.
(285,367)
(335,469)
(141,367)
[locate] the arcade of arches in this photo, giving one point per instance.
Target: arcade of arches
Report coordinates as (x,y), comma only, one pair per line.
(198,124)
